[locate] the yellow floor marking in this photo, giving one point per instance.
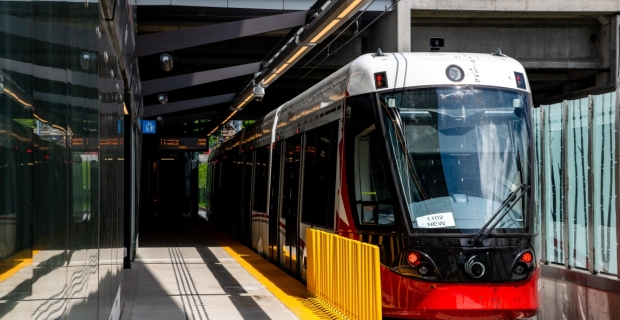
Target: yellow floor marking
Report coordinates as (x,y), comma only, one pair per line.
(287,289)
(13,270)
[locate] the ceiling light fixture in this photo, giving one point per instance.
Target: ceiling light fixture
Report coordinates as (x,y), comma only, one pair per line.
(297,54)
(230,116)
(282,68)
(244,102)
(330,26)
(215,129)
(273,76)
(14,96)
(349,9)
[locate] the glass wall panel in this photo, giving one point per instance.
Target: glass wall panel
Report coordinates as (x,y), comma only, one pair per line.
(61,248)
(577,177)
(16,159)
(581,185)
(604,189)
(537,150)
(552,152)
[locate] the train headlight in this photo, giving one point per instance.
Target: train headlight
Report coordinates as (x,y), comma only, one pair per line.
(417,264)
(413,258)
(523,265)
(455,73)
(526,257)
(423,270)
(519,270)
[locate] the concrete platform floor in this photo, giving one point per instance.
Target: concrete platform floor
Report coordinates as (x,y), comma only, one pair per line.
(182,273)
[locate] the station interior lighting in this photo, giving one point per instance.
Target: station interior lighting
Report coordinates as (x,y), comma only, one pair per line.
(212,131)
(314,40)
(278,70)
(348,9)
(230,116)
(244,102)
(273,76)
(125,111)
(329,27)
(14,96)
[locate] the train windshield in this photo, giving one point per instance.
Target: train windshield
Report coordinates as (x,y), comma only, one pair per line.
(462,156)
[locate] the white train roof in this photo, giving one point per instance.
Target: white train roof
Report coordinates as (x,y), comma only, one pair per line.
(403,70)
(429,69)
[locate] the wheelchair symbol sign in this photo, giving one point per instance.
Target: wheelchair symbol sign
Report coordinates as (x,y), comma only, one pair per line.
(149,127)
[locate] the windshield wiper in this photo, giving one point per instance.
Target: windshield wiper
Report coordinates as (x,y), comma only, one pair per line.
(507,205)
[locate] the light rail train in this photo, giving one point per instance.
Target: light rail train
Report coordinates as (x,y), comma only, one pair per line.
(426,155)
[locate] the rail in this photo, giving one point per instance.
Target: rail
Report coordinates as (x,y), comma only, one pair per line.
(344,274)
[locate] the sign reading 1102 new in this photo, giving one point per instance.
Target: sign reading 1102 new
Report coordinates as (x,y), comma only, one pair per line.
(183,144)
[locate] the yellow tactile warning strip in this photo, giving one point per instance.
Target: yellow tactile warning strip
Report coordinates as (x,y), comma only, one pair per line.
(287,289)
(14,269)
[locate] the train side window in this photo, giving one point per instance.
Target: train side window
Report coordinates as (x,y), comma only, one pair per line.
(309,186)
(320,176)
(260,181)
(368,174)
(372,192)
(325,175)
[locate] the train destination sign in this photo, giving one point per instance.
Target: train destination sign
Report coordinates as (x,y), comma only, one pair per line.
(183,143)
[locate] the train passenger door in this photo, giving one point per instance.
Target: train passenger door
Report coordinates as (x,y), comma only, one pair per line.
(290,203)
(274,200)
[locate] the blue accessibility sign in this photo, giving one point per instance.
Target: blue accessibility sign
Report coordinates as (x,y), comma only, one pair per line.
(149,126)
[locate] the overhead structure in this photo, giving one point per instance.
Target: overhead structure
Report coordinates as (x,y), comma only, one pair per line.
(194,79)
(329,18)
(174,40)
(159,109)
(165,42)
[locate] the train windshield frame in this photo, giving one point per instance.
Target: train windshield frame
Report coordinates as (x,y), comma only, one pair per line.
(461,157)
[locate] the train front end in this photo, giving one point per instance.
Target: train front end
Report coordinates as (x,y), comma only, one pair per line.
(444,159)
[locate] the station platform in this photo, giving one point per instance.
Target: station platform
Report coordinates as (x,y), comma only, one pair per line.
(193,271)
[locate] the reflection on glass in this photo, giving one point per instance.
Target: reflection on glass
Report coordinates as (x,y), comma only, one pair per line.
(577,191)
(460,151)
(604,189)
(554,190)
(52,223)
(372,192)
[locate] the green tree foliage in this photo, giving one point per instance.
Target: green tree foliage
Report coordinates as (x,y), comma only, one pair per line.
(247,123)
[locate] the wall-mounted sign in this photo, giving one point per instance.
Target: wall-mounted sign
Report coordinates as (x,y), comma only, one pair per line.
(183,143)
(149,127)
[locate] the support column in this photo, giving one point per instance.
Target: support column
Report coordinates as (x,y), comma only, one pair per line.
(393,32)
(403,25)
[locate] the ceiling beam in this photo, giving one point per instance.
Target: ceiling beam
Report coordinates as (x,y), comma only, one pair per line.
(158,109)
(193,79)
(173,40)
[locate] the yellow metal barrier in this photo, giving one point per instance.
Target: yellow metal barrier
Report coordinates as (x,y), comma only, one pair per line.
(344,274)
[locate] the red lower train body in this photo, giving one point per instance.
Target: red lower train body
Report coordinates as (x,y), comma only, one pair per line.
(407,298)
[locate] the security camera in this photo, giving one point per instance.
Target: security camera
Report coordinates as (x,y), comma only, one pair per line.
(258,91)
(436,44)
(162,98)
(165,61)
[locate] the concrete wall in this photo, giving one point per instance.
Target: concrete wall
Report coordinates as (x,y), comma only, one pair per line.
(565,55)
(567,300)
(393,32)
(534,47)
(581,6)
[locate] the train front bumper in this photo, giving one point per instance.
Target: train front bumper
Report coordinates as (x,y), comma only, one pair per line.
(403,297)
